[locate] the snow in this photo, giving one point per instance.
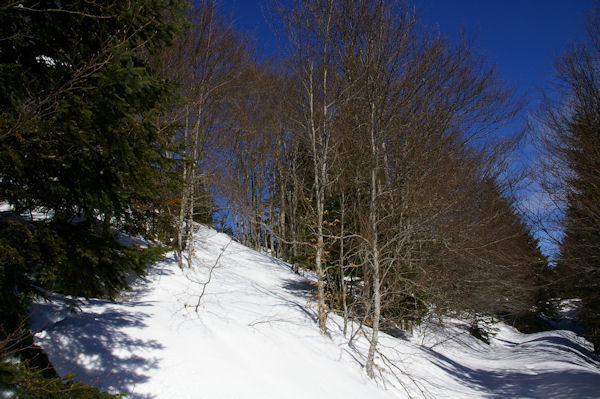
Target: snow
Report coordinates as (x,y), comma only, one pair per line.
(38,215)
(254,335)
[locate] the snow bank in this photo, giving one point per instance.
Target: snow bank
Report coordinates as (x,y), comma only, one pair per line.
(254,335)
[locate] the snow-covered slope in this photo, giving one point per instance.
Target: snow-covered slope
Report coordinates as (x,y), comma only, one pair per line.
(254,335)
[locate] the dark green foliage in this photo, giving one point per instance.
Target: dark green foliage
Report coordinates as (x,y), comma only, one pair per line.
(480,332)
(80,140)
(17,261)
(19,346)
(98,266)
(78,133)
(28,383)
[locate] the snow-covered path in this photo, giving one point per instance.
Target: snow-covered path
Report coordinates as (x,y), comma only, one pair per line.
(254,336)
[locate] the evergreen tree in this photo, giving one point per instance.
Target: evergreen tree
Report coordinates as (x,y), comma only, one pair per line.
(574,162)
(579,263)
(79,140)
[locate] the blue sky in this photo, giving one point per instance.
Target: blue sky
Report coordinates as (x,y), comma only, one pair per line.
(521,38)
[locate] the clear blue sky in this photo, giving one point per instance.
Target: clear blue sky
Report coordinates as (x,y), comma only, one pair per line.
(521,37)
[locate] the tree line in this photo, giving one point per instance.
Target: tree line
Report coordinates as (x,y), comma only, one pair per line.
(368,149)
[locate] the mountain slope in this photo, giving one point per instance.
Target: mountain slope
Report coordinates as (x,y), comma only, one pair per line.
(254,335)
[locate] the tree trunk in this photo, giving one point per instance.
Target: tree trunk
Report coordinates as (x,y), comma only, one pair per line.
(342,265)
(184,195)
(375,261)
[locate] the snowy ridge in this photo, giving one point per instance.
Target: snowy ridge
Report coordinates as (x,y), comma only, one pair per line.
(254,335)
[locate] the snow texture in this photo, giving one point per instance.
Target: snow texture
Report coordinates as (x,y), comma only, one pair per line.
(254,335)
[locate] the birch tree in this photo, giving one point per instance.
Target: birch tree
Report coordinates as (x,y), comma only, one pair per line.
(207,61)
(310,35)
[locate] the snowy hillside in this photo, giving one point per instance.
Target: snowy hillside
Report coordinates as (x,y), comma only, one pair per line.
(254,335)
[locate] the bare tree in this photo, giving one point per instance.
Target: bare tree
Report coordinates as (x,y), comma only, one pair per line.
(380,165)
(571,166)
(423,109)
(208,62)
(310,34)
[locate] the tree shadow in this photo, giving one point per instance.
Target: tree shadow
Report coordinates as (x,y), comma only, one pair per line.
(299,293)
(304,288)
(100,348)
(547,344)
(140,285)
(551,384)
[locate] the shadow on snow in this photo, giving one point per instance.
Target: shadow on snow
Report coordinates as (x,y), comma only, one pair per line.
(99,349)
(556,384)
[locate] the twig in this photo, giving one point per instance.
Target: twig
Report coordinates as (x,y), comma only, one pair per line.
(210,274)
(392,366)
(20,7)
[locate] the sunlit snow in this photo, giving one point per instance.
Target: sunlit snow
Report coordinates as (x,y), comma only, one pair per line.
(254,335)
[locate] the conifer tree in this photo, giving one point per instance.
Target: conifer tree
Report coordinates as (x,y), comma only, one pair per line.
(79,142)
(573,166)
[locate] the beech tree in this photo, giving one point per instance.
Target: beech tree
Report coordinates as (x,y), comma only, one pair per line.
(424,110)
(308,26)
(377,41)
(370,155)
(207,61)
